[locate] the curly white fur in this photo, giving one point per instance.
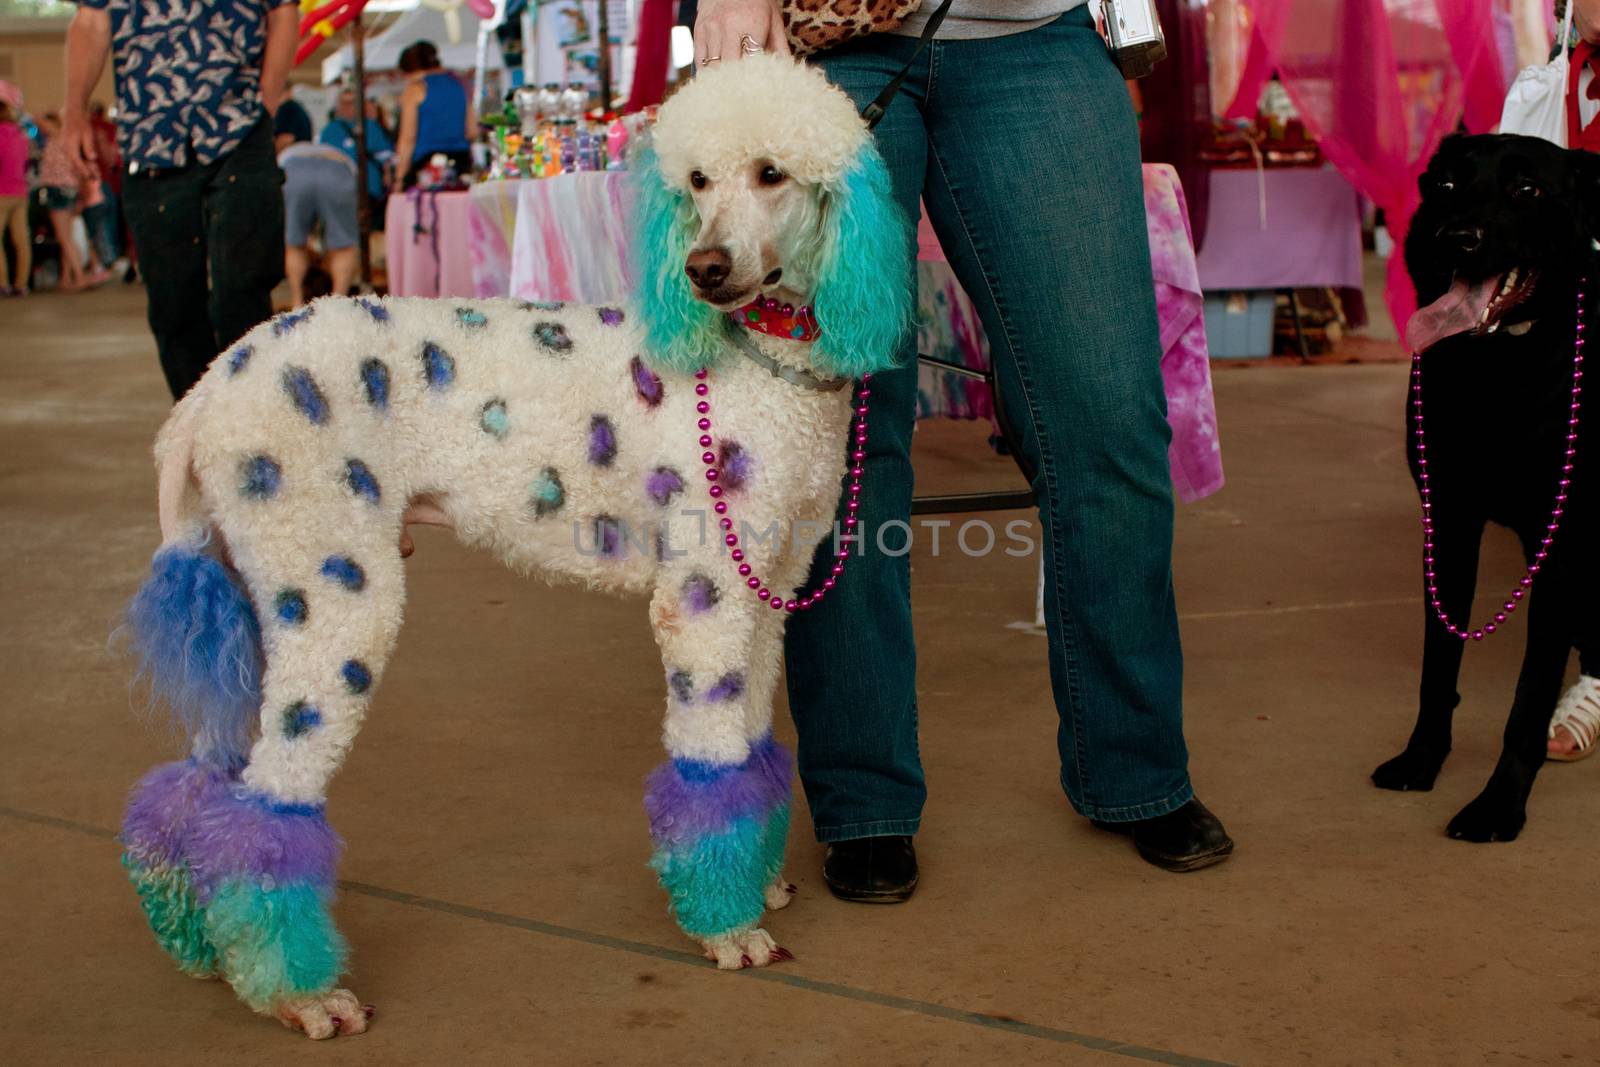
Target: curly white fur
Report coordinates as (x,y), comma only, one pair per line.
(566,440)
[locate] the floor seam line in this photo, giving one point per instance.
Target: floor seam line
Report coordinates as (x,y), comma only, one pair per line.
(928,1009)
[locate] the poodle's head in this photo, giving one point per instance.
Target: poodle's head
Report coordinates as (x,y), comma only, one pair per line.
(762,179)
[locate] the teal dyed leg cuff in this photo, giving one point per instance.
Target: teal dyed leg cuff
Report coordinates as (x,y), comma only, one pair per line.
(718,882)
(275,942)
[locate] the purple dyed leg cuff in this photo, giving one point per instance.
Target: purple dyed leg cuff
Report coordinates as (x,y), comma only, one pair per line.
(195,815)
(687,800)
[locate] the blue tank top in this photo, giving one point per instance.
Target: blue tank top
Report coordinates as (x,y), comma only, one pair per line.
(441,117)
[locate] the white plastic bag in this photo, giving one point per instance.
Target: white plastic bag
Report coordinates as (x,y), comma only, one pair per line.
(1536,104)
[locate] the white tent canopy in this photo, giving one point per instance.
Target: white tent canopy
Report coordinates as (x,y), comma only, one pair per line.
(421,23)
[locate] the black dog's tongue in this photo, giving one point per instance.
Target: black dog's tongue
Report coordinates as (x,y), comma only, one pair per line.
(1455,312)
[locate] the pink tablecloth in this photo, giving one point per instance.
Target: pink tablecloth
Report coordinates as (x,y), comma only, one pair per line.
(565,240)
(428,242)
(1311,236)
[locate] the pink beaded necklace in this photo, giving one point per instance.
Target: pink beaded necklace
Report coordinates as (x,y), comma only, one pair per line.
(725,521)
(1556,512)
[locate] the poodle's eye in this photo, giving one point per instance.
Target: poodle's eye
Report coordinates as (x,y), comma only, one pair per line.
(697,179)
(771,175)
(1525,190)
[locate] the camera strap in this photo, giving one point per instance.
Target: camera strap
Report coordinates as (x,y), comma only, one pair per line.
(873,112)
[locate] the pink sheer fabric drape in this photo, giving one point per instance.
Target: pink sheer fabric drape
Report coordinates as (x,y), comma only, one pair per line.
(1379,83)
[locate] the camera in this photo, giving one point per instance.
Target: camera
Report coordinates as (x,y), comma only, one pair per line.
(1133,33)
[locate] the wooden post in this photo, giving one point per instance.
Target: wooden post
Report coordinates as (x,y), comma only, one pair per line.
(605,56)
(363,201)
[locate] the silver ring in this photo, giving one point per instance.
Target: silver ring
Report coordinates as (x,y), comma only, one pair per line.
(708,60)
(748,46)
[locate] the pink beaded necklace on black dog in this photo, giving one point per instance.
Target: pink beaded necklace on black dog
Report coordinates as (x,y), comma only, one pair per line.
(796,325)
(1556,512)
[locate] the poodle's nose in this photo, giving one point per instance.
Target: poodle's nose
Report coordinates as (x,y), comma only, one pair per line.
(708,268)
(1466,238)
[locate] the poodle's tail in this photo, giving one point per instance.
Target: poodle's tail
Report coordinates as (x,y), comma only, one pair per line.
(191,625)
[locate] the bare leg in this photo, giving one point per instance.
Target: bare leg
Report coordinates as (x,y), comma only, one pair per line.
(341,264)
(71,269)
(296,262)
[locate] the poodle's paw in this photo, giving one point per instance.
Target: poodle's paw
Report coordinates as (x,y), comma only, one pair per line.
(780,893)
(748,948)
(1488,818)
(1414,769)
(324,1015)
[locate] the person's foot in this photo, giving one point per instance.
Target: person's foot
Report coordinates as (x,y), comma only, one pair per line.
(1183,840)
(1575,725)
(871,870)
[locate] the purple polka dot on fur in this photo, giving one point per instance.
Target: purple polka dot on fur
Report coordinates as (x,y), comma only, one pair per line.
(700,593)
(728,687)
(735,464)
(646,382)
(663,484)
(602,441)
(611,316)
(608,537)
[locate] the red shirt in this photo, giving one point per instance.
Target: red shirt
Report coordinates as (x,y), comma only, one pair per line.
(1578,135)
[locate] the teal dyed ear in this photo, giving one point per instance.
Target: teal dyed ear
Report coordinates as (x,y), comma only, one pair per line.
(864,300)
(681,333)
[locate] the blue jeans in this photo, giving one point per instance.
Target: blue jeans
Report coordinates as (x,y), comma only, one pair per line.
(1025,150)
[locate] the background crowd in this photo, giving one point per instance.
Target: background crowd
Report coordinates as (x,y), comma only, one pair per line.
(63,226)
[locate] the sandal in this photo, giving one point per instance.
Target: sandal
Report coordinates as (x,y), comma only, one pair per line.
(1579,713)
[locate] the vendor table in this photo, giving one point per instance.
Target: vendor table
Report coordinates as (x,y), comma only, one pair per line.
(565,238)
(1311,236)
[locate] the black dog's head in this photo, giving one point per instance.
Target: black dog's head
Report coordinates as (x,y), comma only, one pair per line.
(1506,227)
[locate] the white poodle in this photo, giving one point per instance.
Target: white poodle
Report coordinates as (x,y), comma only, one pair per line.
(662,448)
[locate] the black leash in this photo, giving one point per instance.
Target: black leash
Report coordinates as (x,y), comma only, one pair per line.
(873,112)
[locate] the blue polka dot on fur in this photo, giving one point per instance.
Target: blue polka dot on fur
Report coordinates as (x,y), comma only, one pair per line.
(305,394)
(437,366)
(375,379)
(238,358)
(358,476)
(356,676)
(290,606)
(259,477)
(289,320)
(346,571)
(300,718)
(378,312)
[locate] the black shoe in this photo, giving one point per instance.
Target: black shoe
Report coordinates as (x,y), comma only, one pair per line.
(871,870)
(1183,840)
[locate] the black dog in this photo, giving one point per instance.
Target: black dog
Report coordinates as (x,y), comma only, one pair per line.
(1505,232)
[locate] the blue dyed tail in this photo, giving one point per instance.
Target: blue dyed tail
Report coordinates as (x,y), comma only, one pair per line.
(197,639)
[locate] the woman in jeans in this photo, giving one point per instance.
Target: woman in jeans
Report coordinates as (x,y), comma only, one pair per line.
(1015,129)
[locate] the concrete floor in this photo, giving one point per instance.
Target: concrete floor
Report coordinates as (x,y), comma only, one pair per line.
(497,898)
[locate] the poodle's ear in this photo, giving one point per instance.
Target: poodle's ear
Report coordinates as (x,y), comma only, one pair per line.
(864,298)
(681,333)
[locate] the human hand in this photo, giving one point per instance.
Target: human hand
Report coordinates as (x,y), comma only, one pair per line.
(78,136)
(721,27)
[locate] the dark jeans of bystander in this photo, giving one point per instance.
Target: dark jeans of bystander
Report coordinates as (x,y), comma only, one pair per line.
(210,240)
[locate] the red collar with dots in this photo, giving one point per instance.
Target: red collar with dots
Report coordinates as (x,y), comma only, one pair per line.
(767,316)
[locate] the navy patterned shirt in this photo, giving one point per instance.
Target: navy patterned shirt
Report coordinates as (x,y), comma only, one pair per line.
(188,76)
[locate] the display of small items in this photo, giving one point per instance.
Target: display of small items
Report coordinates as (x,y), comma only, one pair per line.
(546,131)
